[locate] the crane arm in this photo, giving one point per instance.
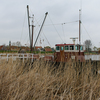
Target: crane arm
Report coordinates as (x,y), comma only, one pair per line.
(41,28)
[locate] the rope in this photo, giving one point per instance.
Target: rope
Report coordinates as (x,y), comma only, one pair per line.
(37,24)
(23,26)
(88,34)
(62,23)
(55,29)
(46,39)
(63,31)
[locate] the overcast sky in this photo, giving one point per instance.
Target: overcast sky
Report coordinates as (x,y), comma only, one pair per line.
(61,23)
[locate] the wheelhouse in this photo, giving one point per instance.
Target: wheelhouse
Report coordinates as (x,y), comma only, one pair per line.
(64,52)
(69,47)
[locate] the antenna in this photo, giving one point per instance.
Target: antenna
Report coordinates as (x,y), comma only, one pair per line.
(80,4)
(74,39)
(79,29)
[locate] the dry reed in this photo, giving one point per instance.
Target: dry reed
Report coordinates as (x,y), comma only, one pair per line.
(46,81)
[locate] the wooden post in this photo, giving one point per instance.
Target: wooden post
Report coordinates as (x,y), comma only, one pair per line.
(7,57)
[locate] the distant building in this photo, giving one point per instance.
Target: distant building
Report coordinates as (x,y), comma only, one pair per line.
(1,47)
(53,49)
(16,48)
(48,49)
(38,48)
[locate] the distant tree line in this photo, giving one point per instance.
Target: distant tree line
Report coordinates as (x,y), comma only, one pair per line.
(88,45)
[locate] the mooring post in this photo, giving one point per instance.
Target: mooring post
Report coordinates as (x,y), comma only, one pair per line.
(12,58)
(32,57)
(23,58)
(27,56)
(7,57)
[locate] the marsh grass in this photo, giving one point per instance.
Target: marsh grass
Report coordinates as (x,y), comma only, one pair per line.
(48,81)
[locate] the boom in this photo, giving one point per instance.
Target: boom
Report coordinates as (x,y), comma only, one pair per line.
(41,28)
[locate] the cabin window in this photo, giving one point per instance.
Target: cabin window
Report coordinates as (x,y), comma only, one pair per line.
(62,48)
(57,48)
(71,47)
(81,47)
(66,47)
(76,47)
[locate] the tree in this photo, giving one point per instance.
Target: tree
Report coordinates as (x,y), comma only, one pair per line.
(16,44)
(95,48)
(13,44)
(47,47)
(88,45)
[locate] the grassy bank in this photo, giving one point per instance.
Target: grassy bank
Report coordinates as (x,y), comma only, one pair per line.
(35,52)
(44,81)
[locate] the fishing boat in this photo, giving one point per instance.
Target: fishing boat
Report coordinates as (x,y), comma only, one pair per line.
(63,52)
(67,52)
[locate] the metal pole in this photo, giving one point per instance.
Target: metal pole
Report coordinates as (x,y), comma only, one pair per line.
(29,25)
(40,29)
(79,30)
(32,36)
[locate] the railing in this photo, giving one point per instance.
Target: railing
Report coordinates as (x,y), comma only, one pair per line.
(24,56)
(27,56)
(92,57)
(18,56)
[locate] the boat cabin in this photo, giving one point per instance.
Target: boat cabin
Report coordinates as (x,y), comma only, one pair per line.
(65,52)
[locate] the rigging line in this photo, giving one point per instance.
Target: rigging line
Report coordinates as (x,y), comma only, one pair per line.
(28,42)
(37,22)
(31,11)
(63,31)
(55,28)
(34,18)
(39,19)
(46,39)
(87,33)
(62,23)
(81,4)
(25,38)
(23,26)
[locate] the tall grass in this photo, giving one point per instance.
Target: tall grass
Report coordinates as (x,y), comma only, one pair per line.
(46,81)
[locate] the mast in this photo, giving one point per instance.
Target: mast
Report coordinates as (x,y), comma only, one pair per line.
(79,29)
(32,36)
(29,25)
